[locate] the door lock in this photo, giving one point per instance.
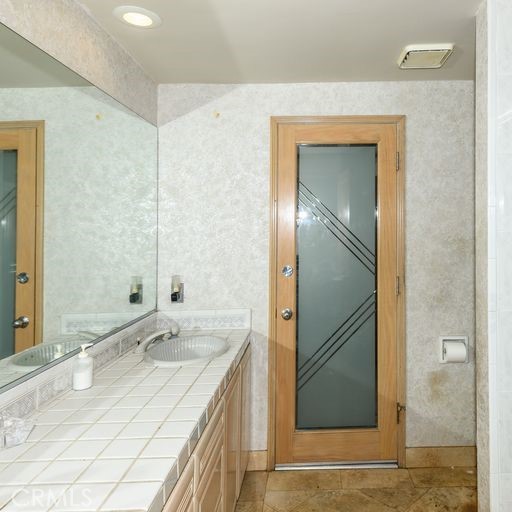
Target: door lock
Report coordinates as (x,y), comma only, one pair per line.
(287,271)
(21,322)
(22,278)
(286,313)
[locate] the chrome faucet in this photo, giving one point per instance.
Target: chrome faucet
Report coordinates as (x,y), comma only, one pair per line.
(172,331)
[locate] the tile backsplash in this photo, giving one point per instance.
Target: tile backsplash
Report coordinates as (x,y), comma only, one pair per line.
(207,319)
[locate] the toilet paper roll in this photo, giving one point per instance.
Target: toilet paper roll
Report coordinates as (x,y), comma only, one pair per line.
(454,352)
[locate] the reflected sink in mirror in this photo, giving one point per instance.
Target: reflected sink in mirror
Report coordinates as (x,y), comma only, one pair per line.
(186,350)
(45,353)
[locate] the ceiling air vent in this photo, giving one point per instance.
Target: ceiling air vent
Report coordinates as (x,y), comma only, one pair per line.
(424,56)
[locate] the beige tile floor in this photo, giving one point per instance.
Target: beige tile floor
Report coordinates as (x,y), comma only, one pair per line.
(374,490)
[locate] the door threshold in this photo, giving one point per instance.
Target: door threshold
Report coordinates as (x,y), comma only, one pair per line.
(382,464)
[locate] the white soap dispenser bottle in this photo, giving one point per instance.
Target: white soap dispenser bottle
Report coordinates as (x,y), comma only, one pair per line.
(82,369)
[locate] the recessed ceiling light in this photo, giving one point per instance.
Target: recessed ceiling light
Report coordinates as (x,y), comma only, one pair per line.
(137,16)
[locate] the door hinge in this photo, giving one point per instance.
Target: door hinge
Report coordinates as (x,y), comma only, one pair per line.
(397,161)
(397,285)
(399,408)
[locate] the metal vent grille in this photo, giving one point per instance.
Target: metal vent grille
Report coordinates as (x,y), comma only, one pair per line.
(424,56)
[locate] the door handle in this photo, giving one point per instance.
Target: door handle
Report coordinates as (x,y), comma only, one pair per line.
(286,313)
(21,322)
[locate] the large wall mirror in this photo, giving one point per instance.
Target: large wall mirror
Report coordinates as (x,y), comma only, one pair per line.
(78,207)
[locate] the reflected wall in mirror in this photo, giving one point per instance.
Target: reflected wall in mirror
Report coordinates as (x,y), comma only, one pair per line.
(78,193)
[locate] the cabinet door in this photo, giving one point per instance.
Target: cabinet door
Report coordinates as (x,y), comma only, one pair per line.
(181,498)
(209,495)
(245,379)
(204,450)
(232,413)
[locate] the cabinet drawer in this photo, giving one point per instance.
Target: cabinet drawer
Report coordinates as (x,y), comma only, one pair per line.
(204,450)
(209,494)
(181,498)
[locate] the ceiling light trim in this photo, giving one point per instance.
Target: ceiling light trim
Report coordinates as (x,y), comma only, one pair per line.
(146,18)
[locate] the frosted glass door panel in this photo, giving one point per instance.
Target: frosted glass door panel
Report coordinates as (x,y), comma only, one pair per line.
(336,287)
(8,164)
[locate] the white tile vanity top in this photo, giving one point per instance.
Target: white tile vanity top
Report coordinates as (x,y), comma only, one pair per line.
(122,444)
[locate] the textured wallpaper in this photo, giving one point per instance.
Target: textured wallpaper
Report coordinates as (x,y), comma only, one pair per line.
(65,31)
(214,155)
(99,200)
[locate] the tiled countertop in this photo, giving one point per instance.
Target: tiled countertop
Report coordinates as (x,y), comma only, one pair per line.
(120,445)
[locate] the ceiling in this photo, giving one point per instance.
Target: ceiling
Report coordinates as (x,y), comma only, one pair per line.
(31,67)
(241,41)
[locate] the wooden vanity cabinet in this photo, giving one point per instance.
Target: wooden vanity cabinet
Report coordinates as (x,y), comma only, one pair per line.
(245,416)
(232,411)
(209,494)
(213,476)
(182,497)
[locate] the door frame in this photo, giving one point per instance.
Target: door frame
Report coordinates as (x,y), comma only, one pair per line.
(38,127)
(275,122)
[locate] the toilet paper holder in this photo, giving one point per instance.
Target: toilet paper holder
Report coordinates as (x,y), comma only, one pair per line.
(453,349)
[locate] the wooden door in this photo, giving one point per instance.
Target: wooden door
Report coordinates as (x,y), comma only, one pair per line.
(21,143)
(336,297)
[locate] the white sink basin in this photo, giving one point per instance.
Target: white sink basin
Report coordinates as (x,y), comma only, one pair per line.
(175,352)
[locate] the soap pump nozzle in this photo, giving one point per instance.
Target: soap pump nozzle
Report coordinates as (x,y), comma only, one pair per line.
(83,353)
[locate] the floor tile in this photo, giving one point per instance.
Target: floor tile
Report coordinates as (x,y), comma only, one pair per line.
(249,506)
(346,501)
(303,480)
(443,477)
(374,478)
(449,499)
(253,487)
(399,498)
(285,501)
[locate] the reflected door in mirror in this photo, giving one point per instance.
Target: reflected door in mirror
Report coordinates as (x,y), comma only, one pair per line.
(18,227)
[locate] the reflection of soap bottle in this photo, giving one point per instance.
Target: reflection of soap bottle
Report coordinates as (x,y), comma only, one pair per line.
(82,369)
(58,351)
